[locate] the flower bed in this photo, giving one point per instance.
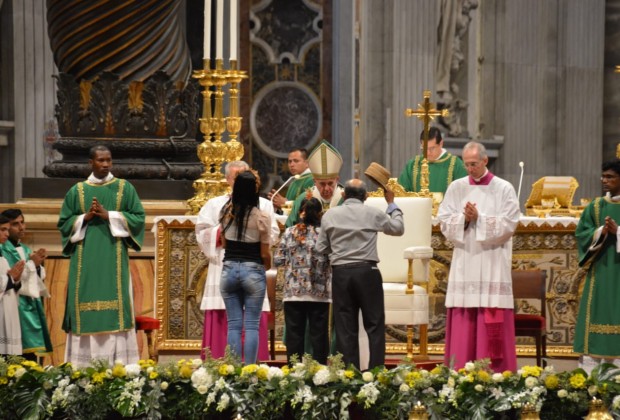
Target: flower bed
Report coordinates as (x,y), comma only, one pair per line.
(225,388)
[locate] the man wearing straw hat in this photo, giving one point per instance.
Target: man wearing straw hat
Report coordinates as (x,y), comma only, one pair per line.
(325,163)
(349,235)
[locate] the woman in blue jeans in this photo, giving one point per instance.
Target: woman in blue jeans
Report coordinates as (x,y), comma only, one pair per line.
(245,239)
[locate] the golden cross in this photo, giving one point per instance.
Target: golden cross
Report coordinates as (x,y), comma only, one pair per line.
(427,113)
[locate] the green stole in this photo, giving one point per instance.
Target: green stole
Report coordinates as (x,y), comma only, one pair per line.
(98,292)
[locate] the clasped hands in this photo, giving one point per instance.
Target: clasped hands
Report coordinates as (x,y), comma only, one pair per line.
(471,212)
(610,226)
(38,256)
(16,271)
(96,209)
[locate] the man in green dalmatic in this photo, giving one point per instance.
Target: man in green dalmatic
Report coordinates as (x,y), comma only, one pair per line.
(101,218)
(443,167)
(597,331)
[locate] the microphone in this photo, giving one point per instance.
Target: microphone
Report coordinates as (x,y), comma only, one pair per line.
(520,181)
(283,185)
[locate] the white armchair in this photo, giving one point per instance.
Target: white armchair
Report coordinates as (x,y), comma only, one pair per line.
(407,303)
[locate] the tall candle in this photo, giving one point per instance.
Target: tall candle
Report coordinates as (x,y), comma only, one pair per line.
(234,24)
(219,41)
(206,48)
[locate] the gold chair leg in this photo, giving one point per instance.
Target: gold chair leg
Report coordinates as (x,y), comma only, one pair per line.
(424,340)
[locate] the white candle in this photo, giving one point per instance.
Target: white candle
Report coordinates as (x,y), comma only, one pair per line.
(234,24)
(219,41)
(206,49)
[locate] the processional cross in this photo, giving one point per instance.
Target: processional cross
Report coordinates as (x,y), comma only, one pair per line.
(427,113)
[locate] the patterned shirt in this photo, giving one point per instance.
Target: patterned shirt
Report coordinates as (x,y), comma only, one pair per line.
(307,273)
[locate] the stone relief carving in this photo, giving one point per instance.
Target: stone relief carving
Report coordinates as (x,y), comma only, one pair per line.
(453,25)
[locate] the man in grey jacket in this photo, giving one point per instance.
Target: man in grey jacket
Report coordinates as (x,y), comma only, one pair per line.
(349,236)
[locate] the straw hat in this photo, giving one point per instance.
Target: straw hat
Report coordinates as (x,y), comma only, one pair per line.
(378,174)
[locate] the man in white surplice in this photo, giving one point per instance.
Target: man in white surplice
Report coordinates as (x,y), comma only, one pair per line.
(479,215)
(207,226)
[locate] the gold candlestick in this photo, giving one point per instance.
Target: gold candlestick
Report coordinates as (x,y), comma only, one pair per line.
(213,152)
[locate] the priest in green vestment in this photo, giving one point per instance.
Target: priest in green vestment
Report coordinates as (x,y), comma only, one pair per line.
(35,333)
(298,167)
(443,167)
(597,332)
(101,218)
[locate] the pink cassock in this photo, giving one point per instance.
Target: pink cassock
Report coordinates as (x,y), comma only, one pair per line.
(479,333)
(215,331)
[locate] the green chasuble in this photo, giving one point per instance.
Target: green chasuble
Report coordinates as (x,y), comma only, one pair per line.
(441,173)
(98,295)
(35,334)
(299,186)
(597,332)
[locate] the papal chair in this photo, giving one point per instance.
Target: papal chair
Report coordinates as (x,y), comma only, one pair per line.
(405,283)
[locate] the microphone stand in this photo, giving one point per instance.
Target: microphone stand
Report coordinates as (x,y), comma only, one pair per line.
(282,186)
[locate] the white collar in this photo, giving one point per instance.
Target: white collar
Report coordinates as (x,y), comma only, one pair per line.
(486,171)
(615,198)
(94,180)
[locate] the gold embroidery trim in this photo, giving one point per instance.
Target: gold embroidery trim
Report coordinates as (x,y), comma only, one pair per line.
(80,188)
(99,305)
(604,329)
(414,180)
(77,288)
(119,265)
(586,341)
(119,285)
(451,170)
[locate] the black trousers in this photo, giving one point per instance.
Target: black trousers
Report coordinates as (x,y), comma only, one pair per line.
(356,287)
(316,316)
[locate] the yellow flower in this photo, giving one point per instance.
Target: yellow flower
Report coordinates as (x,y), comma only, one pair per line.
(285,370)
(223,369)
(412,377)
(11,370)
(4,380)
(248,369)
(552,382)
(349,374)
(98,377)
(383,378)
(436,370)
(577,381)
(76,374)
(29,363)
(118,371)
(507,374)
(261,373)
(531,371)
(484,376)
(186,371)
(153,375)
